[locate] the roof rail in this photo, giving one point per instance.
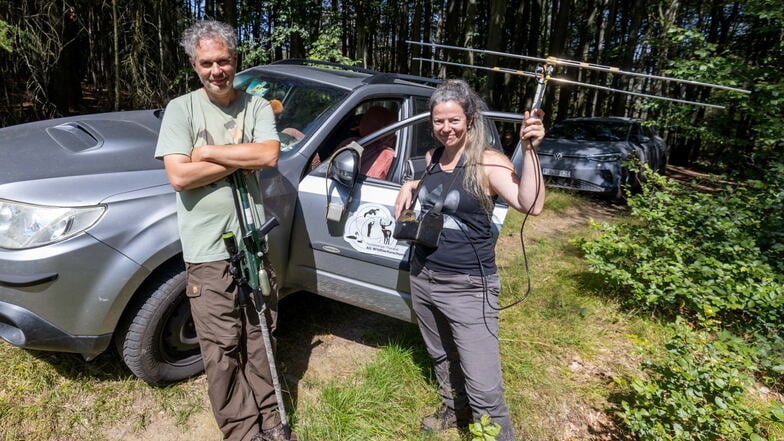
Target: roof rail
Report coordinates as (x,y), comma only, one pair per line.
(382,77)
(375,76)
(303,61)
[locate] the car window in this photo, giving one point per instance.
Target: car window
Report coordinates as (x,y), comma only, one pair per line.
(508,133)
(366,118)
(422,139)
(370,116)
(299,105)
(590,130)
(636,134)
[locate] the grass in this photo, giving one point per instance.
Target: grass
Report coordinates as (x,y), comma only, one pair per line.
(39,397)
(47,396)
(561,348)
(376,403)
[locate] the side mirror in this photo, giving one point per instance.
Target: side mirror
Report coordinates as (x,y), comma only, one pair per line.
(344,166)
(343,169)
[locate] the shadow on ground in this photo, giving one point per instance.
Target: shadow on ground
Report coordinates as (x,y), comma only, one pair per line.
(325,340)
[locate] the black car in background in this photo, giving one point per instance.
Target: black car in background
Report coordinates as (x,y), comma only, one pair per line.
(588,154)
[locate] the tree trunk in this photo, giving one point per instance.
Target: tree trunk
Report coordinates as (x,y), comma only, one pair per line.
(401,48)
(558,48)
(622,102)
(427,35)
(415,51)
(362,34)
(230,12)
(116,41)
(591,15)
(454,35)
(496,84)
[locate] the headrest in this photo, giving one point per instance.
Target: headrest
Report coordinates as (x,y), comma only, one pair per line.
(277,106)
(375,118)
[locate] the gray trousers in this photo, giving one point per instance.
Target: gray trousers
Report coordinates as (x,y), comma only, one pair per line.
(238,376)
(459,330)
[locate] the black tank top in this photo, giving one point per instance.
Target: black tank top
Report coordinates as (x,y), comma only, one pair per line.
(467,244)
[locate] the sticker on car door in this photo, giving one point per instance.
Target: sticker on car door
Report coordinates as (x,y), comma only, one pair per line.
(369,230)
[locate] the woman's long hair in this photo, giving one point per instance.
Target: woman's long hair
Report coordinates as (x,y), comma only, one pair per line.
(460,92)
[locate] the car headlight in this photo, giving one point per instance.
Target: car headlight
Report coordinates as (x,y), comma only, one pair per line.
(607,157)
(29,226)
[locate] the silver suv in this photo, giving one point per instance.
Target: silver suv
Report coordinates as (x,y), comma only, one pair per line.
(89,250)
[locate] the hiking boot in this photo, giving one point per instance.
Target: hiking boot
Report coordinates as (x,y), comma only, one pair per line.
(277,433)
(446,418)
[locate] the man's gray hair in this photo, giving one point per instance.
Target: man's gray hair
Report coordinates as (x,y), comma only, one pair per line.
(209,29)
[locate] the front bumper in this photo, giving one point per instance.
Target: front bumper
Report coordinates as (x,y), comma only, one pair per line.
(582,174)
(65,297)
(26,329)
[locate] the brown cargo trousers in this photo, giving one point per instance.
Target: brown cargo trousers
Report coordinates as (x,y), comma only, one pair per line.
(239,382)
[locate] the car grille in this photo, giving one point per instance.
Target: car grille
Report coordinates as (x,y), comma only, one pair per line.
(574,184)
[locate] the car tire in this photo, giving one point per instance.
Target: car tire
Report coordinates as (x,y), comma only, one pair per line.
(157,339)
(663,166)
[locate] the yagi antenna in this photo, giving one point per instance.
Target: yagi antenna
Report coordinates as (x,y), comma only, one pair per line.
(544,71)
(548,77)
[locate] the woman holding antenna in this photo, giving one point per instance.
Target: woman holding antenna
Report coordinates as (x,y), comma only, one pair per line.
(455,285)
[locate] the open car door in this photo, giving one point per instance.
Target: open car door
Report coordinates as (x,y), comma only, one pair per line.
(342,244)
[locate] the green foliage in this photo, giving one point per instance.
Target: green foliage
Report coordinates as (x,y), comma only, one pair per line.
(715,260)
(283,35)
(695,391)
(252,54)
(327,46)
(769,357)
(484,429)
(5,37)
(771,222)
(750,130)
(696,254)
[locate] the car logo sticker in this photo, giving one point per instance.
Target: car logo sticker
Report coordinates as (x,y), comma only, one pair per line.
(369,230)
(558,155)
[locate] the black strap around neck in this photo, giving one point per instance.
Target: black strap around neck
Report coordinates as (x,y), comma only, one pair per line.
(433,161)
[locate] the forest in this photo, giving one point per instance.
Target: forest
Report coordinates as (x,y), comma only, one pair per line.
(707,267)
(62,57)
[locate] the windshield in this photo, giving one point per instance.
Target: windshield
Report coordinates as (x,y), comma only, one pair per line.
(590,130)
(300,106)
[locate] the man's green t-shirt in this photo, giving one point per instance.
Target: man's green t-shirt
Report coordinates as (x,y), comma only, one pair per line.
(205,213)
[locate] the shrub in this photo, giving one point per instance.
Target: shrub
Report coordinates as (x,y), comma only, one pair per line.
(696,391)
(714,259)
(694,254)
(771,231)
